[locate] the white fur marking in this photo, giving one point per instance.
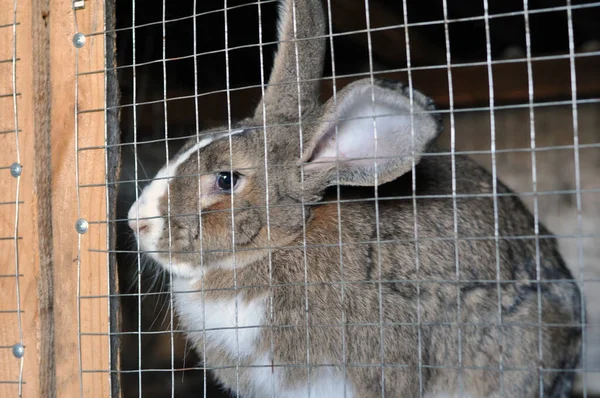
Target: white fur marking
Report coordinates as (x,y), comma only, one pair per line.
(220,315)
(146,207)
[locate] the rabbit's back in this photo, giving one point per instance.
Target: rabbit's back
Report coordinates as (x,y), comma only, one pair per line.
(457,269)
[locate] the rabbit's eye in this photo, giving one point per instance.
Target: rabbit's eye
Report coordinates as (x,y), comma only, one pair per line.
(226,181)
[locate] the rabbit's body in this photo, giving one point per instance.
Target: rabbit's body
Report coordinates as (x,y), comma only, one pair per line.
(437,298)
(286,290)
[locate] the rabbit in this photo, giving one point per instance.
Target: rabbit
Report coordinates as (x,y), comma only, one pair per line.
(300,265)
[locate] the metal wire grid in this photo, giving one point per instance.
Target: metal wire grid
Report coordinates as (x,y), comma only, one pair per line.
(531,106)
(12,315)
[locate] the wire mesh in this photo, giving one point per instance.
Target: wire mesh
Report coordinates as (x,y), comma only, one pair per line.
(12,344)
(520,105)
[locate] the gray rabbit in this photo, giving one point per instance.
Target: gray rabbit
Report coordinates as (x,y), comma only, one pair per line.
(338,274)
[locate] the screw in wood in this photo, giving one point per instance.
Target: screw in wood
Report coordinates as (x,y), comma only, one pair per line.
(81,226)
(78,40)
(18,350)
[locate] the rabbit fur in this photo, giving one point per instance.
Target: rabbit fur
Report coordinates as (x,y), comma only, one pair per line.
(297,282)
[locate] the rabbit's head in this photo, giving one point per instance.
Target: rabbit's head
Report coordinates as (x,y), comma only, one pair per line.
(244,189)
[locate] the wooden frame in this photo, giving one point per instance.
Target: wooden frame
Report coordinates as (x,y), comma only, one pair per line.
(64,276)
(27,237)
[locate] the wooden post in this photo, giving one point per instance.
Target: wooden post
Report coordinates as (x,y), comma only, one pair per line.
(17,144)
(63,276)
(78,191)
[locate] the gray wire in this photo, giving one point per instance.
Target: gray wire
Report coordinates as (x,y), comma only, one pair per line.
(357,365)
(233,250)
(17,193)
(477,18)
(136,190)
(534,189)
(200,224)
(441,111)
(339,195)
(488,47)
(171,316)
(533,149)
(454,206)
(304,244)
(376,192)
(577,185)
(267,196)
(413,196)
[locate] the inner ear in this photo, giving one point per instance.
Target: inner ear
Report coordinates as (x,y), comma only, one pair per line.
(365,131)
(374,133)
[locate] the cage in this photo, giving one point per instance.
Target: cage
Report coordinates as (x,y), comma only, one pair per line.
(96,96)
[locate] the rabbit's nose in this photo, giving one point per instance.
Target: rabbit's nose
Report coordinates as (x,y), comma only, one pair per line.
(139,225)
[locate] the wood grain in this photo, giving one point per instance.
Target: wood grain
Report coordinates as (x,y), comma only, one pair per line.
(13,147)
(55,264)
(82,344)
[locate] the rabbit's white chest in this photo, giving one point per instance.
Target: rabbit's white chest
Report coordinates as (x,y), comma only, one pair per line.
(231,325)
(236,330)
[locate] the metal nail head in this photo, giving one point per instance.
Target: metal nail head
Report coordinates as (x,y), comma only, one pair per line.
(18,350)
(79,40)
(81,226)
(16,169)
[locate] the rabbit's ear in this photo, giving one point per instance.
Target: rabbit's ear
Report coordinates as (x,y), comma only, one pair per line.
(369,132)
(298,64)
